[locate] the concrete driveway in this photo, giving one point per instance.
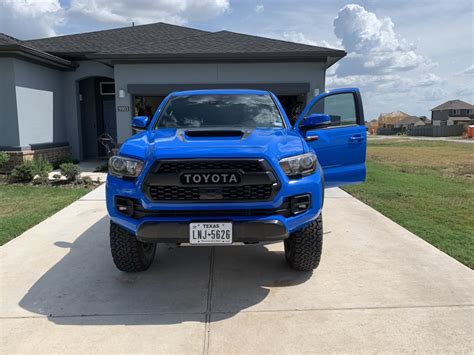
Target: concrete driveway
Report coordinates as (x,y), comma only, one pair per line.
(379,288)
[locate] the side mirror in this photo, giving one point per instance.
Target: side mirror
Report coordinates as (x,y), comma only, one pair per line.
(139,122)
(316,120)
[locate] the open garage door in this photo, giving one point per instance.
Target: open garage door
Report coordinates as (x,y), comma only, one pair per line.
(147,97)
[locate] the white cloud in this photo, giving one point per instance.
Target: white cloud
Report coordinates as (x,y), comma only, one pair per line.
(469,71)
(148,11)
(435,94)
(300,37)
(372,44)
(259,8)
(29,18)
(467,92)
(390,72)
(428,79)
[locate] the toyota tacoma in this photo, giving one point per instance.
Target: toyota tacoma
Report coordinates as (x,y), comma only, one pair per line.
(217,167)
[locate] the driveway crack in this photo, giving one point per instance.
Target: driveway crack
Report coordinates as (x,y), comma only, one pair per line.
(207,328)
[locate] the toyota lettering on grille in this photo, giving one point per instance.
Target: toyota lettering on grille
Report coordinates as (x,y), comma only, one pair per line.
(225,178)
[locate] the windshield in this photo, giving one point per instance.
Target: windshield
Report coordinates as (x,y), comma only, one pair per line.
(234,110)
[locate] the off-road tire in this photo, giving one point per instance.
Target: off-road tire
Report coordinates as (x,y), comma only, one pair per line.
(129,254)
(303,248)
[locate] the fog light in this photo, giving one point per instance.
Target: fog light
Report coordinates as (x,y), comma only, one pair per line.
(124,206)
(300,203)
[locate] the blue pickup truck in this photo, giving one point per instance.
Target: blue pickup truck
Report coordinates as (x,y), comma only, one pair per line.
(216,167)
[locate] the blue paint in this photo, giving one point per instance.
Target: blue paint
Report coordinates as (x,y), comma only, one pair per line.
(340,151)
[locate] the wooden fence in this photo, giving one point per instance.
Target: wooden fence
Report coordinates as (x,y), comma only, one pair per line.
(426,131)
(437,131)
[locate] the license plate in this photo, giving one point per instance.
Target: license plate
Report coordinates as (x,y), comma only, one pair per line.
(210,233)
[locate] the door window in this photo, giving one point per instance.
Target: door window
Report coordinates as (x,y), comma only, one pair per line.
(340,107)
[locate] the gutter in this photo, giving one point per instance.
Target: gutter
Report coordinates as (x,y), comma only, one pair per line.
(34,55)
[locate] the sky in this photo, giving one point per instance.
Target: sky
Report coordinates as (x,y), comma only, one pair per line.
(407,55)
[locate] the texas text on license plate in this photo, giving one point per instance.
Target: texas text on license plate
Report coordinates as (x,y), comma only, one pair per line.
(210,233)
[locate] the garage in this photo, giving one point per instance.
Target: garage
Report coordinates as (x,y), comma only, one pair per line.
(102,79)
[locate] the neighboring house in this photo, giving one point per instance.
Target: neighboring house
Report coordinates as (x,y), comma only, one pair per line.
(59,94)
(388,120)
(452,112)
(408,122)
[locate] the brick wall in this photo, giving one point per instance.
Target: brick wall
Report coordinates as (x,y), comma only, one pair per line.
(54,155)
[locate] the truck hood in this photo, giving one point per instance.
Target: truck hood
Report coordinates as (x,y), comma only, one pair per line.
(275,143)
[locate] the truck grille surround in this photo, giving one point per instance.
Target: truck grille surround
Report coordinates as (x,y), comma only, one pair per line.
(256,181)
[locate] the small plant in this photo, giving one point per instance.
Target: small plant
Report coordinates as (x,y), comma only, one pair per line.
(42,167)
(87,181)
(58,163)
(26,171)
(70,171)
(4,158)
(40,180)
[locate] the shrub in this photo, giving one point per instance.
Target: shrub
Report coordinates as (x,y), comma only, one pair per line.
(70,171)
(40,180)
(4,158)
(87,180)
(58,163)
(26,171)
(42,167)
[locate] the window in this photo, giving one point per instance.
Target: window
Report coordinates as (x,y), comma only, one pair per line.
(340,107)
(455,112)
(220,110)
(107,88)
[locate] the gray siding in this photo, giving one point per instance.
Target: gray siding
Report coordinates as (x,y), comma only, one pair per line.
(130,74)
(39,101)
(9,133)
(438,116)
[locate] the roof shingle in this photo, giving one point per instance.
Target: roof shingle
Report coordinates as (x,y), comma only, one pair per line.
(164,40)
(453,105)
(92,42)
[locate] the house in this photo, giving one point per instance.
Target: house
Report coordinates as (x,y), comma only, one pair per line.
(408,122)
(58,94)
(452,112)
(388,120)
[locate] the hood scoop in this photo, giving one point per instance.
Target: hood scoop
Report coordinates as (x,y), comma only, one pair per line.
(215,133)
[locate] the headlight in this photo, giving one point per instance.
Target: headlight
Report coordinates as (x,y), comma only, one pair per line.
(299,165)
(128,167)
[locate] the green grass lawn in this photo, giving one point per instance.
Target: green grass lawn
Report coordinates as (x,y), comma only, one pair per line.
(22,206)
(428,188)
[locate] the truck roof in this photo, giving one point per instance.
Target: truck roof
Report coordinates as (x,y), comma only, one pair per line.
(220,92)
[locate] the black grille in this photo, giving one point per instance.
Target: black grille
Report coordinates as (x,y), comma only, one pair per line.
(249,192)
(178,166)
(257,183)
(231,193)
(169,193)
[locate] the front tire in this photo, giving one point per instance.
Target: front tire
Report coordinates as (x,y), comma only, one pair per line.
(129,254)
(304,247)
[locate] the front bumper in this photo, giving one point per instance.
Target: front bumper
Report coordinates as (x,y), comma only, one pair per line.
(247,232)
(167,222)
